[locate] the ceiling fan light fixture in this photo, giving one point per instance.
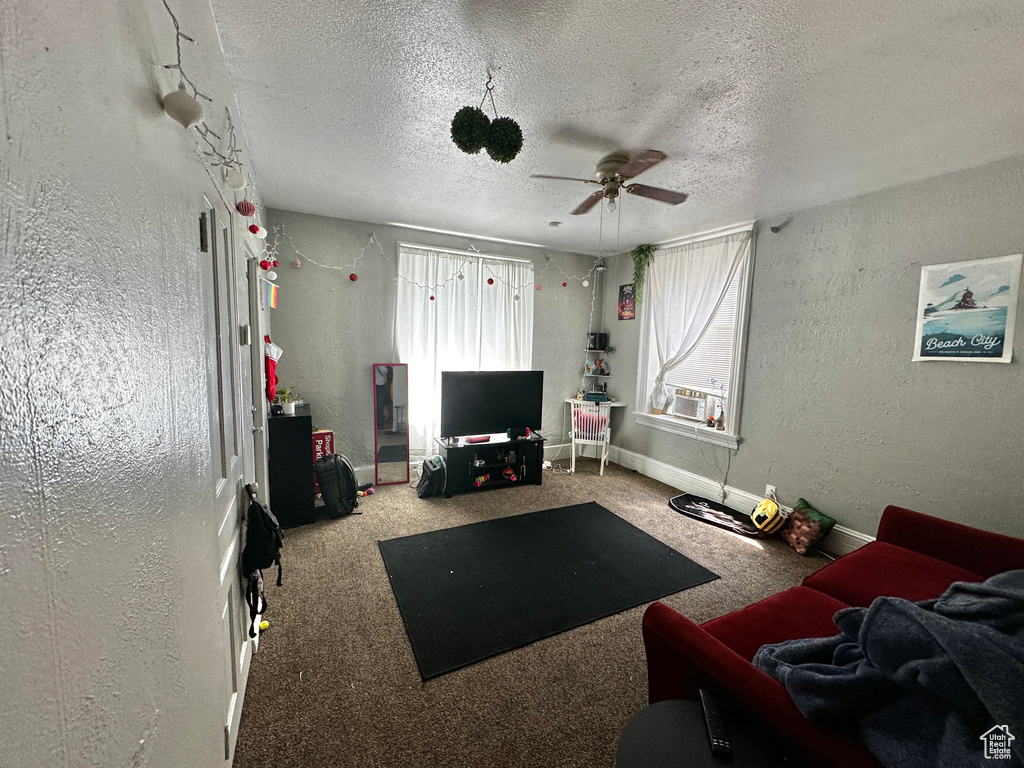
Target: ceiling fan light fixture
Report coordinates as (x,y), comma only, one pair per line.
(612,205)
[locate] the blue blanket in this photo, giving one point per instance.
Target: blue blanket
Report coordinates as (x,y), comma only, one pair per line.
(926,681)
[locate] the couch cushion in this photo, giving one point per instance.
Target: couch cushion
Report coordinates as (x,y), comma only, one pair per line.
(879,568)
(797,612)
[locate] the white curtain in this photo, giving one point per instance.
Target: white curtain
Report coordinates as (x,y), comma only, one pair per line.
(684,288)
(469,326)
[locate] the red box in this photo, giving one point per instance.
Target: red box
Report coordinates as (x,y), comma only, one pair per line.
(323,445)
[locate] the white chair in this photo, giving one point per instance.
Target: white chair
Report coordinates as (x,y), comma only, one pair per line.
(591,425)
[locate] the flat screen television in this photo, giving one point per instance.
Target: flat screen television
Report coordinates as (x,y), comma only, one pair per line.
(486,402)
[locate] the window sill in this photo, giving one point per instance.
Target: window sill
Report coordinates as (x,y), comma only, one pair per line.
(690,429)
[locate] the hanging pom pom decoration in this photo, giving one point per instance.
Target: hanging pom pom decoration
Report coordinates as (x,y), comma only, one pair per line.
(490,281)
(264,265)
(353,277)
(469,129)
(461,276)
(257,230)
(585,282)
(276,263)
(472,130)
(431,298)
(297,263)
(504,139)
(246,208)
(271,275)
(516,297)
(538,287)
(564,285)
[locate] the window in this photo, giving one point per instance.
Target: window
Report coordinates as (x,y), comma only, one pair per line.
(693,333)
(469,325)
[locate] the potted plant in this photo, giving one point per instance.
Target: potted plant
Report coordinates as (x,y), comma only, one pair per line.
(286,397)
(642,257)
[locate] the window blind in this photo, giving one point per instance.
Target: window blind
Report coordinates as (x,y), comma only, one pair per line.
(713,357)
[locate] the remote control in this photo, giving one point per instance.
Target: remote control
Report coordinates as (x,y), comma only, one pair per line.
(717,736)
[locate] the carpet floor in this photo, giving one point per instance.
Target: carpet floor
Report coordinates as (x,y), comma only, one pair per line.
(335,683)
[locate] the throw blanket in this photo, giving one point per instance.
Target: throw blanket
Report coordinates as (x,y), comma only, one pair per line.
(926,680)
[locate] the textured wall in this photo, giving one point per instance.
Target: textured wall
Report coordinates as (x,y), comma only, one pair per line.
(111,636)
(332,329)
(834,410)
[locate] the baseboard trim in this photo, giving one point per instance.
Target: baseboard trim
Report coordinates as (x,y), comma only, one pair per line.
(840,541)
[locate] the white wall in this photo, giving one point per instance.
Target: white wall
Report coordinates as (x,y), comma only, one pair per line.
(332,329)
(112,647)
(834,410)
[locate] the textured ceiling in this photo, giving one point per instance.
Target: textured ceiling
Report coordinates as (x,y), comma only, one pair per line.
(763,108)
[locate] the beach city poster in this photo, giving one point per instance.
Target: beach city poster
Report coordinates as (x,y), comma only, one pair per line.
(966,311)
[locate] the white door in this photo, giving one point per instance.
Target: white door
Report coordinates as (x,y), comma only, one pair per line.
(232,461)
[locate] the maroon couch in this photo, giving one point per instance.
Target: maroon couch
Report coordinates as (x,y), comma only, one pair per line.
(915,557)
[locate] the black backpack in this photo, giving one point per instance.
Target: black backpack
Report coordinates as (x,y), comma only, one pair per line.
(432,478)
(338,486)
(263,541)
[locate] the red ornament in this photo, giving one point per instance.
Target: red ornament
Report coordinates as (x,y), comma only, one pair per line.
(431,298)
(564,284)
(490,281)
(353,277)
(246,208)
(254,228)
(264,264)
(538,287)
(275,263)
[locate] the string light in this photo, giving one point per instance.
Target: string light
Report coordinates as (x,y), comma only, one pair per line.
(272,252)
(228,157)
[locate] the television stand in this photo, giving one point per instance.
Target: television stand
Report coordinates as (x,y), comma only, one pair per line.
(477,466)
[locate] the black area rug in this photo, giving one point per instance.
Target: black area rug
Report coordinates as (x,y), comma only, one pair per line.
(475,591)
(388,453)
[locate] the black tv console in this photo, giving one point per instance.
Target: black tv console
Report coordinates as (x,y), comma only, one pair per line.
(501,458)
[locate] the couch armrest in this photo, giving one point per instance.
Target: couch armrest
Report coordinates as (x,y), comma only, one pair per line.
(682,658)
(982,552)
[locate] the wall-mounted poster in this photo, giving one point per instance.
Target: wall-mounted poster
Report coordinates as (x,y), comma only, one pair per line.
(627,302)
(966,310)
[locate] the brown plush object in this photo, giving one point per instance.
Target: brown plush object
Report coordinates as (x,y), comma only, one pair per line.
(806,527)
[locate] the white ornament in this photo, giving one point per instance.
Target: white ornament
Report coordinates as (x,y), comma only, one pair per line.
(183,108)
(234,179)
(516,297)
(586,283)
(271,275)
(461,276)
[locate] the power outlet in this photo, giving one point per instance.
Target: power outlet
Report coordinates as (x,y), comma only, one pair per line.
(769,492)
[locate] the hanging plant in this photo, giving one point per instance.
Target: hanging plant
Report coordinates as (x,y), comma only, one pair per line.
(470,129)
(642,256)
(504,139)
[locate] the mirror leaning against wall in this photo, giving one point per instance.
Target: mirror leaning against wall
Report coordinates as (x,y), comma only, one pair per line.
(390,409)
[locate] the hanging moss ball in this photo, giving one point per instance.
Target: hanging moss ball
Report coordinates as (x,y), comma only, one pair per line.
(469,129)
(504,139)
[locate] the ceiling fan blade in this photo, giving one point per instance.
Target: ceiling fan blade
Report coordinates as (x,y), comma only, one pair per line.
(665,195)
(562,178)
(641,162)
(589,203)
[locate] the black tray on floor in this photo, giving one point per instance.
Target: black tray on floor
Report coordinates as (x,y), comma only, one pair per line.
(712,512)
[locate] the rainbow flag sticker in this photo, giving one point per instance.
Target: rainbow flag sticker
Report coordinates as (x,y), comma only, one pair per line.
(271,295)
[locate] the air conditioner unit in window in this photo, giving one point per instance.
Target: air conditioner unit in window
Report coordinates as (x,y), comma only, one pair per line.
(690,404)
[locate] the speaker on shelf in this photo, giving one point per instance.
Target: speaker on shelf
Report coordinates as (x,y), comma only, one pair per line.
(597,340)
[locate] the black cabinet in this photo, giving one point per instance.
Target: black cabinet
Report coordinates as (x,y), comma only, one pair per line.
(290,463)
(498,463)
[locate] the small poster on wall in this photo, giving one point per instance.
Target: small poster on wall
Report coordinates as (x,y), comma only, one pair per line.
(627,302)
(966,310)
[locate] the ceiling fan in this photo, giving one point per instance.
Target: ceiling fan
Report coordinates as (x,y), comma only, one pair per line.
(616,168)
